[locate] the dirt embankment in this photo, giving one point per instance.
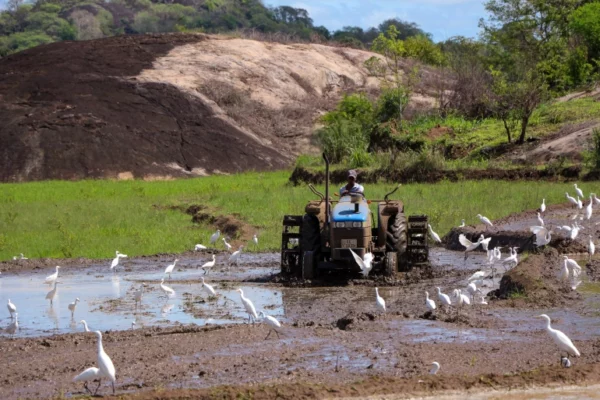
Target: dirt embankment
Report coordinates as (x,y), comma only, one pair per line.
(418,175)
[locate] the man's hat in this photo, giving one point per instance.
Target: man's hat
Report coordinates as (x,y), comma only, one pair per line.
(352,173)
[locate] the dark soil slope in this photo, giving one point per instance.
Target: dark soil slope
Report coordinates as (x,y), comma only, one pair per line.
(73,110)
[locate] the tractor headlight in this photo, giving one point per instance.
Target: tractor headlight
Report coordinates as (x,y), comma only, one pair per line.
(357,225)
(340,225)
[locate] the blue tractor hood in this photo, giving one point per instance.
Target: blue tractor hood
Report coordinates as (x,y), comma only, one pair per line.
(344,211)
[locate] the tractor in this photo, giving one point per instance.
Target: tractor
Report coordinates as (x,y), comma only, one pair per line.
(318,243)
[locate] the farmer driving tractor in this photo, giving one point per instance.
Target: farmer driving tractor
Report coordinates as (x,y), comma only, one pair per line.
(352,186)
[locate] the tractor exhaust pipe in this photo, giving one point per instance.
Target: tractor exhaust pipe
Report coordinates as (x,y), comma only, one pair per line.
(326,189)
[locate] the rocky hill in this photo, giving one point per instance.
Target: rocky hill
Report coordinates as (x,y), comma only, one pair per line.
(160,106)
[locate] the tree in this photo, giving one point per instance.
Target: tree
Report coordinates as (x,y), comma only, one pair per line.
(405,29)
(585,22)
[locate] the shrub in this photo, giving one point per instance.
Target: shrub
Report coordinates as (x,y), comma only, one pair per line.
(22,41)
(592,157)
(341,138)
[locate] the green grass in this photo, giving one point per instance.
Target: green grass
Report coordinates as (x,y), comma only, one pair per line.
(94,218)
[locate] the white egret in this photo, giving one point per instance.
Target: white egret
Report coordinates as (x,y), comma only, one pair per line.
(52,278)
(51,294)
(574,231)
(208,287)
(469,246)
(170,268)
(115,260)
(596,199)
(167,290)
(235,256)
(434,235)
(571,200)
(199,247)
(72,306)
(461,299)
(435,369)
(273,323)
(105,364)
(429,302)
(498,253)
(255,241)
(472,289)
(90,374)
(365,264)
(578,191)
(11,308)
(485,242)
(379,301)
(589,209)
(572,263)
(542,235)
(565,362)
(444,299)
(208,265)
(12,328)
(85,325)
(579,203)
(591,247)
(564,272)
(227,245)
(486,221)
(214,237)
(250,310)
(543,206)
(562,341)
(513,258)
(480,298)
(479,275)
(133,324)
(462,224)
(540,219)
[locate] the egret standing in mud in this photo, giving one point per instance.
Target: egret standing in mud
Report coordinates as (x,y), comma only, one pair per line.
(248,306)
(543,236)
(472,289)
(227,245)
(562,341)
(540,219)
(435,369)
(72,307)
(596,199)
(564,272)
(208,288)
(434,235)
(170,268)
(591,247)
(255,241)
(429,302)
(578,191)
(214,237)
(485,242)
(52,278)
(115,260)
(51,294)
(11,308)
(462,224)
(90,374)
(589,209)
(543,206)
(380,301)
(235,257)
(571,200)
(273,323)
(105,364)
(208,265)
(486,221)
(199,247)
(469,246)
(166,290)
(444,299)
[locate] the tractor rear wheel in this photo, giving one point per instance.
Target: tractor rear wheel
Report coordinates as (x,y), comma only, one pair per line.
(311,243)
(396,239)
(308,265)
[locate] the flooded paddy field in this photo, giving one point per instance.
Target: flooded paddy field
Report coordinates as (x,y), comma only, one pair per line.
(333,338)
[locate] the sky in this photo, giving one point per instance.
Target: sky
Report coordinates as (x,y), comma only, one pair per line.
(442,18)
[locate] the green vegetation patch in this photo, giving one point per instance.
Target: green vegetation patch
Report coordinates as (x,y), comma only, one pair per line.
(94,218)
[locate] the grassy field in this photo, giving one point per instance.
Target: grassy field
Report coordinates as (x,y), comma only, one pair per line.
(94,218)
